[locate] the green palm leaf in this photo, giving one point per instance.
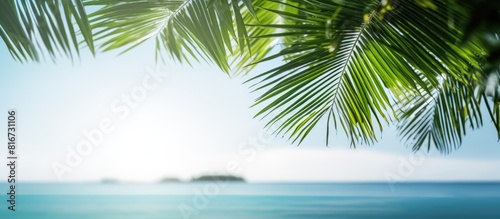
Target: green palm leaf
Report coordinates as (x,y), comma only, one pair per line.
(30,29)
(348,60)
(183,29)
(440,118)
(491,88)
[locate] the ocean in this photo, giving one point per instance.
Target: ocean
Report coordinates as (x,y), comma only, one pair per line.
(217,200)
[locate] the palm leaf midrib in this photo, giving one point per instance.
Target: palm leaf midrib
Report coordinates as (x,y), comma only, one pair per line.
(349,58)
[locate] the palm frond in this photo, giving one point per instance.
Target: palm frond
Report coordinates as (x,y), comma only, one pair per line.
(183,29)
(30,29)
(246,58)
(346,60)
(490,90)
(441,118)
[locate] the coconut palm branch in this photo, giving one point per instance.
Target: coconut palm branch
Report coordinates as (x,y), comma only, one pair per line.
(348,61)
(209,30)
(32,30)
(490,93)
(440,118)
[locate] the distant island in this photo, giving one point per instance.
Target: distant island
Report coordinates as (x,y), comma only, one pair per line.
(230,178)
(169,179)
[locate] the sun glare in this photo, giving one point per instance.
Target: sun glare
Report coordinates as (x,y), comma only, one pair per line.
(152,145)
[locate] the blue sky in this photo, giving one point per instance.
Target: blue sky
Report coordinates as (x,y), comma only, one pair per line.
(194,120)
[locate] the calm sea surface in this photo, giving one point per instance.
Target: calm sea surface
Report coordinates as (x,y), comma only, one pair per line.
(261,201)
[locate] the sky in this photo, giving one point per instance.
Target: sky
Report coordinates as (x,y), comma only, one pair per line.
(131,119)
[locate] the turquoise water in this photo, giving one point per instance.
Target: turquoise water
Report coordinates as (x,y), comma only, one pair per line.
(242,201)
